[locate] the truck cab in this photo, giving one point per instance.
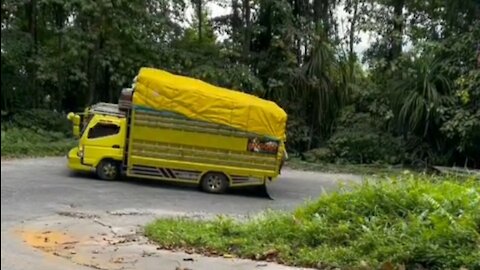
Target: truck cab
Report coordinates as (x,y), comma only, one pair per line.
(101,137)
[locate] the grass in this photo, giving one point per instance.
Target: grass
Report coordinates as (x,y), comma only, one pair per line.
(361,169)
(24,142)
(408,222)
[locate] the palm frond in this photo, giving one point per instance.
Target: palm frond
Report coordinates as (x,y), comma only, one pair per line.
(418,94)
(322,84)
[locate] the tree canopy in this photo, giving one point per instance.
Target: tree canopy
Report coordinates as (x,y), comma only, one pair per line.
(413,96)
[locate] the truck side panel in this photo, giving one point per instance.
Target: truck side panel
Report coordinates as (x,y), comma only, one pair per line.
(168,146)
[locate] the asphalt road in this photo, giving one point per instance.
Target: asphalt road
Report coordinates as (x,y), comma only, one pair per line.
(33,188)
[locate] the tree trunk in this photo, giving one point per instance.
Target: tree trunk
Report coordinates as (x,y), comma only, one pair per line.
(397,34)
(31,12)
(200,19)
(478,55)
(91,78)
(236,22)
(353,26)
(59,21)
(108,85)
(247,29)
(92,70)
(298,49)
(321,15)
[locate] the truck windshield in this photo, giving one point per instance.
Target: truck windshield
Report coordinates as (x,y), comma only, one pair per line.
(103,130)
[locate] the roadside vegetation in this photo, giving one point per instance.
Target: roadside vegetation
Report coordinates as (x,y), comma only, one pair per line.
(357,169)
(405,222)
(35,133)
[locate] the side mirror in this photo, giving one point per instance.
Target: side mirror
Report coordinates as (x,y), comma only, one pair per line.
(75,118)
(76,131)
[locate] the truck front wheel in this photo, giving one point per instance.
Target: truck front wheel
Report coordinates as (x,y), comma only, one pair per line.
(108,170)
(214,183)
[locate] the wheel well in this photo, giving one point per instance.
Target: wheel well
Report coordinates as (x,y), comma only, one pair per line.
(107,159)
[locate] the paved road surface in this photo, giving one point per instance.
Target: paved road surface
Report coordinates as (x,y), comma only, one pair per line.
(36,188)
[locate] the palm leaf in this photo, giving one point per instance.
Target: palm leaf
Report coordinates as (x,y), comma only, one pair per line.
(417,96)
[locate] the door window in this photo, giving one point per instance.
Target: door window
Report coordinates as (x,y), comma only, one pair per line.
(103,130)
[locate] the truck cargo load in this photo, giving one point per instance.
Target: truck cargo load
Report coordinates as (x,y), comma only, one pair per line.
(196,99)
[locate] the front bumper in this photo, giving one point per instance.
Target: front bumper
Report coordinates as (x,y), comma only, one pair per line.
(74,162)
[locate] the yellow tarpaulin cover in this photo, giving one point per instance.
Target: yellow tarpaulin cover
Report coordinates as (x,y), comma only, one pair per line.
(161,90)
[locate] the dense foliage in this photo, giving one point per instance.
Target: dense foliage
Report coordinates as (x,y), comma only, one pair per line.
(415,89)
(406,222)
(37,132)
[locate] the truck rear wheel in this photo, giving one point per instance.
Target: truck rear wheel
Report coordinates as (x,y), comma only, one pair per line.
(214,183)
(108,170)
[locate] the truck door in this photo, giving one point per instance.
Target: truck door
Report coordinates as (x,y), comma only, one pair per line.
(103,140)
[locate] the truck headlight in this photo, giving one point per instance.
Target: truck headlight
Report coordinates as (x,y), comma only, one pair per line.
(80,152)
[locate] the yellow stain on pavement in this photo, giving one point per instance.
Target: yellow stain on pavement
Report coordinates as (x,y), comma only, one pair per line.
(48,241)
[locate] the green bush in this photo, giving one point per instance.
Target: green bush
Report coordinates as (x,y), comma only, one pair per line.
(409,222)
(363,147)
(323,155)
(35,132)
(360,140)
(20,142)
(40,119)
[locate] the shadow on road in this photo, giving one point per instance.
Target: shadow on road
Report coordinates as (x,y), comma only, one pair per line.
(256,192)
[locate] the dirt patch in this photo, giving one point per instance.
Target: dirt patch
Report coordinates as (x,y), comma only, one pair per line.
(95,250)
(113,242)
(48,241)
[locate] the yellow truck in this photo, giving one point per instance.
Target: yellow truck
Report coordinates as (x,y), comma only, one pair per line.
(176,128)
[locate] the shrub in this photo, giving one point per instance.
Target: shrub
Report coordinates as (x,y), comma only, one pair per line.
(360,140)
(360,147)
(20,142)
(411,223)
(40,119)
(323,154)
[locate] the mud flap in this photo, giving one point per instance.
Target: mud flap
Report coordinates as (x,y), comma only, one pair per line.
(262,191)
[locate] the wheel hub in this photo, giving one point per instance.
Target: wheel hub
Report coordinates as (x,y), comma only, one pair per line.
(214,182)
(110,170)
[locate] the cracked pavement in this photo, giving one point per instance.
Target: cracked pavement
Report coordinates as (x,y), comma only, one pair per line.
(52,219)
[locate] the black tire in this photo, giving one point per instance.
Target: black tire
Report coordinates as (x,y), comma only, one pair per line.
(215,183)
(108,170)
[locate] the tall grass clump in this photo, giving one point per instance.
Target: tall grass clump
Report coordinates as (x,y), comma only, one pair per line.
(412,222)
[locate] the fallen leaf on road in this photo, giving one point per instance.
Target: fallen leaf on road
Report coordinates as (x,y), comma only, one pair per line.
(228,256)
